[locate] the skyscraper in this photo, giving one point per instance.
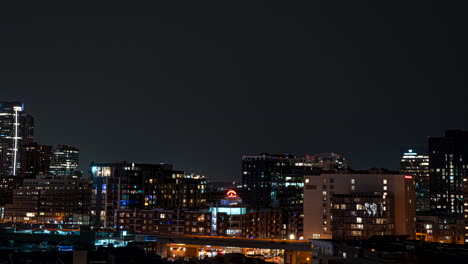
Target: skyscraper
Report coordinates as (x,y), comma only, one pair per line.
(275,180)
(16,130)
(448,164)
(65,160)
(418,166)
(35,160)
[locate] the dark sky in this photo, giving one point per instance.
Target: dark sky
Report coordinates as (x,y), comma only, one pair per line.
(198,84)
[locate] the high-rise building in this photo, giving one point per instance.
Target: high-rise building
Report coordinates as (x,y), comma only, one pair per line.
(275,180)
(65,160)
(124,185)
(418,166)
(448,164)
(35,160)
(358,204)
(16,130)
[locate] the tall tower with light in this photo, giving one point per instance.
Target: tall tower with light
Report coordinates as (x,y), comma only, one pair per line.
(16,130)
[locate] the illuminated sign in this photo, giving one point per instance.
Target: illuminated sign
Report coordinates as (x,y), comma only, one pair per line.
(231,194)
(408,177)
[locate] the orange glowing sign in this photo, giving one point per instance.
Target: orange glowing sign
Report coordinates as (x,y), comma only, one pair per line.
(408,177)
(231,194)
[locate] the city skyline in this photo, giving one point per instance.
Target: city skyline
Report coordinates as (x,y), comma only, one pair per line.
(201,85)
(84,167)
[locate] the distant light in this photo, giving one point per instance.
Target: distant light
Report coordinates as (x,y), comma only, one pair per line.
(408,177)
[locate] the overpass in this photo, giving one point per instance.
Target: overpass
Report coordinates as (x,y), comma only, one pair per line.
(292,245)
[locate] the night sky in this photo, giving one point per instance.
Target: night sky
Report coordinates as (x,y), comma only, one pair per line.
(199,84)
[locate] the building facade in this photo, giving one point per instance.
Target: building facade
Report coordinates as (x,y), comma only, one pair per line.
(16,130)
(124,185)
(361,216)
(65,160)
(448,164)
(418,166)
(275,180)
(440,228)
(169,222)
(395,209)
(35,160)
(50,200)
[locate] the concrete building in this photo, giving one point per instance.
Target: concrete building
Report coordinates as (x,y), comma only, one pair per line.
(361,216)
(386,198)
(169,222)
(440,228)
(50,200)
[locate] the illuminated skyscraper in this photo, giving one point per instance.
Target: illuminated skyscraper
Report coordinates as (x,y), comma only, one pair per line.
(16,130)
(65,160)
(448,165)
(418,166)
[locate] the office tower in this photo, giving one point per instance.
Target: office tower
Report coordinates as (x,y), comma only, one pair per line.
(50,200)
(275,180)
(358,204)
(16,130)
(133,186)
(418,166)
(65,160)
(448,164)
(35,160)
